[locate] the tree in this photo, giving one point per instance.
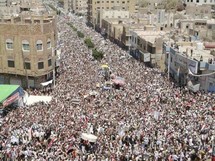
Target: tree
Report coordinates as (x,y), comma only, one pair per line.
(80,34)
(89,43)
(98,55)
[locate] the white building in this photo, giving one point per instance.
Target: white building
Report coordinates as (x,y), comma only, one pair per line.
(189,64)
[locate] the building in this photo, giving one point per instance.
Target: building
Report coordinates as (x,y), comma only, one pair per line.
(210,34)
(76,6)
(199,28)
(106,14)
(199,11)
(112,28)
(190,64)
(147,44)
(27,51)
(200,2)
(95,5)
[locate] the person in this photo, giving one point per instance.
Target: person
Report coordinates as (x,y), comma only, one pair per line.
(147,120)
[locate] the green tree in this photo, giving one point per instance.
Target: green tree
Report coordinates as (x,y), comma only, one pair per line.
(80,34)
(98,55)
(89,43)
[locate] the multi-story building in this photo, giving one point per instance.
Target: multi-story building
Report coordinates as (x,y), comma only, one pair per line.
(200,2)
(199,11)
(27,46)
(95,5)
(76,6)
(147,44)
(110,14)
(191,65)
(200,28)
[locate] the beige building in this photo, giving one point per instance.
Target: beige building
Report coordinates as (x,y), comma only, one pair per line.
(76,6)
(147,44)
(117,29)
(110,14)
(199,11)
(95,5)
(199,28)
(211,30)
(27,51)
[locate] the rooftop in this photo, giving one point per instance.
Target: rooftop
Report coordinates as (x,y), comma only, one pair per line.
(195,51)
(150,36)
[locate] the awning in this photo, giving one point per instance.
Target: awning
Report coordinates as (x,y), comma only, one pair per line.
(10,94)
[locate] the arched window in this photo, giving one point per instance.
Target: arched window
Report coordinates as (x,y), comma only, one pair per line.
(49,44)
(9,44)
(39,45)
(25,45)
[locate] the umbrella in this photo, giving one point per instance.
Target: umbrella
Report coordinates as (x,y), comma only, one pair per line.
(107,85)
(90,137)
(104,66)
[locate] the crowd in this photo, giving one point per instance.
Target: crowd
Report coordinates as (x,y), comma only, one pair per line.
(149,119)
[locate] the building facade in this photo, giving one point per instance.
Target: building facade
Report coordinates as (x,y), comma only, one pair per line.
(190,65)
(76,6)
(200,2)
(95,5)
(27,49)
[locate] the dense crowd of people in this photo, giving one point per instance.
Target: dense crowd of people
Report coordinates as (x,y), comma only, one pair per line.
(149,119)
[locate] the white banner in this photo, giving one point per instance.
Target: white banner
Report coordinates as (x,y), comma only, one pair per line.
(147,57)
(193,66)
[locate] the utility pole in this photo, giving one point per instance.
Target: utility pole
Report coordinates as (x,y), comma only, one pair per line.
(26,73)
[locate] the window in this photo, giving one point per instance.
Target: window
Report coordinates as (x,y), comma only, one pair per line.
(50,62)
(25,45)
(27,65)
(48,44)
(11,63)
(9,44)
(40,65)
(39,45)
